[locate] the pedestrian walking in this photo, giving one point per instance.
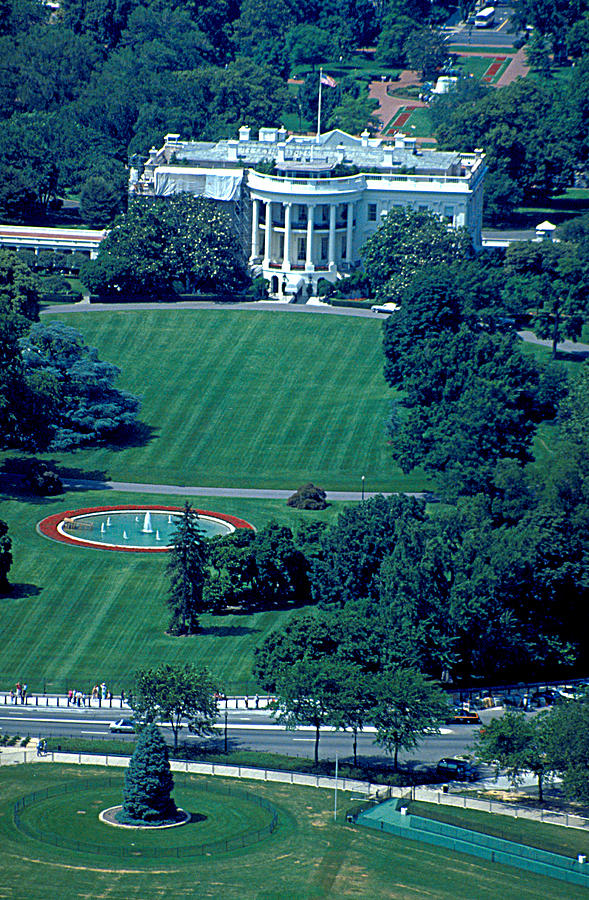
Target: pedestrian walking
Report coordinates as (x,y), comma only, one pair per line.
(257,702)
(103,690)
(122,697)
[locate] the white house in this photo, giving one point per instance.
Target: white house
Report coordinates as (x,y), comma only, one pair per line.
(310,218)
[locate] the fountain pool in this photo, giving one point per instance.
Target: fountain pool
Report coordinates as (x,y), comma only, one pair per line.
(146,529)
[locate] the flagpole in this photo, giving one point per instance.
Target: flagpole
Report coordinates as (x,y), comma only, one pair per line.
(319,108)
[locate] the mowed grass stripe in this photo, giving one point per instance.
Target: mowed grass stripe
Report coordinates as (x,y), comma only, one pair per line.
(222,390)
(80,615)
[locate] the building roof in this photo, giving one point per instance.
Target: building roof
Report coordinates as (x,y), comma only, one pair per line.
(310,152)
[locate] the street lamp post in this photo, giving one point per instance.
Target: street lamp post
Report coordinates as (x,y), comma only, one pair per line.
(363,480)
(225,730)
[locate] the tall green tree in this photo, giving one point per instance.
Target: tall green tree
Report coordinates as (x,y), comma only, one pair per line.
(516,745)
(186,570)
(174,693)
(77,388)
(408,706)
(99,201)
(353,549)
(406,241)
(568,747)
(148,782)
(425,51)
(184,241)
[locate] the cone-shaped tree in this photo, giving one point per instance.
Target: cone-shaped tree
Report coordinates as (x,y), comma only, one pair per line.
(148,782)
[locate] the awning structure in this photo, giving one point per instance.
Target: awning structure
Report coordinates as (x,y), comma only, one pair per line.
(215,184)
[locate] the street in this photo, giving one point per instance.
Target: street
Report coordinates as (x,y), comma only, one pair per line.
(246,730)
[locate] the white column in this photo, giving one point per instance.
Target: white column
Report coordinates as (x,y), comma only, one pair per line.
(255,227)
(349,231)
(267,234)
(310,223)
(331,246)
(286,258)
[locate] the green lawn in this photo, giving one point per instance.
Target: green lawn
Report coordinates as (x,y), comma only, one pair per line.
(419,123)
(308,857)
(566,841)
(79,616)
(248,399)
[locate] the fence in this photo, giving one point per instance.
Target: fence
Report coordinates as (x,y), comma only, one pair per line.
(241,840)
(378,791)
(387,817)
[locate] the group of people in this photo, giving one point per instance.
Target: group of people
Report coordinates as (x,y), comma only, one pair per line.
(98,692)
(19,694)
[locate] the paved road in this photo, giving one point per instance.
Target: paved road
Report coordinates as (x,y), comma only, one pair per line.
(188,491)
(251,730)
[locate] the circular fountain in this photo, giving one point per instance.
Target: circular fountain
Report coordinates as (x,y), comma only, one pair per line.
(145,529)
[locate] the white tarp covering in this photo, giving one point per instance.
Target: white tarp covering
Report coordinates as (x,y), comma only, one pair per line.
(212,183)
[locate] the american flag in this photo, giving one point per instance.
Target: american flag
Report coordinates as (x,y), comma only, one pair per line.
(328,80)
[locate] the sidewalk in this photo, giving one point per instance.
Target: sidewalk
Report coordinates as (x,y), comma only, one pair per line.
(60,701)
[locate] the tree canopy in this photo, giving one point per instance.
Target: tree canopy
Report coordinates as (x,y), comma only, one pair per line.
(171,693)
(406,241)
(184,242)
(75,387)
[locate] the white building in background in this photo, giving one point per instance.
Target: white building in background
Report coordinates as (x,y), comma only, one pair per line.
(326,195)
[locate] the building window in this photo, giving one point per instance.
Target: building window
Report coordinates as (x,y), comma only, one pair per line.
(372,212)
(301,249)
(324,247)
(448,214)
(422,207)
(343,246)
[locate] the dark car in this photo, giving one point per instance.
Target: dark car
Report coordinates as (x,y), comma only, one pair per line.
(545,698)
(463,717)
(122,726)
(456,770)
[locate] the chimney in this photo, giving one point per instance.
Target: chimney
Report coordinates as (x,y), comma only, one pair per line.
(232,150)
(244,133)
(399,140)
(365,135)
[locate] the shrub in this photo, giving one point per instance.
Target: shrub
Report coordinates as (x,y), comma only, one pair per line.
(308,497)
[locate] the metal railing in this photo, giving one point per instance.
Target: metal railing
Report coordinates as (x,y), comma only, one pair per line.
(251,836)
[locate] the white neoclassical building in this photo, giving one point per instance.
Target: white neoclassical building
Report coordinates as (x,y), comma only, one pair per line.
(304,206)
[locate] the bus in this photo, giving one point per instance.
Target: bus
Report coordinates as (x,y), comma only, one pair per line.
(485,18)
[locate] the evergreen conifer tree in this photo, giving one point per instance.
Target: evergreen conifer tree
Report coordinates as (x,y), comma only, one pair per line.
(186,568)
(148,782)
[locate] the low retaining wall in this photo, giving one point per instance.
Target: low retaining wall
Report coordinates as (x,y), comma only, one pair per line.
(12,756)
(387,817)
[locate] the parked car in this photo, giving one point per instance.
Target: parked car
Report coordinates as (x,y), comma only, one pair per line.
(463,717)
(122,726)
(545,698)
(456,770)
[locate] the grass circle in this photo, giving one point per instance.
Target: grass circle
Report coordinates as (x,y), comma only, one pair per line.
(222,819)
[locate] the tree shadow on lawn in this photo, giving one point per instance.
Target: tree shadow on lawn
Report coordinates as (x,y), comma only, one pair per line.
(21,591)
(14,486)
(138,435)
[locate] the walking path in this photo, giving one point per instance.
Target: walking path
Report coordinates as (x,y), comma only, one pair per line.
(132,487)
(390,106)
(518,68)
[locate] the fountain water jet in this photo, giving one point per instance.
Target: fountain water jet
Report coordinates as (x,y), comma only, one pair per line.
(147,529)
(125,535)
(157,535)
(108,522)
(102,528)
